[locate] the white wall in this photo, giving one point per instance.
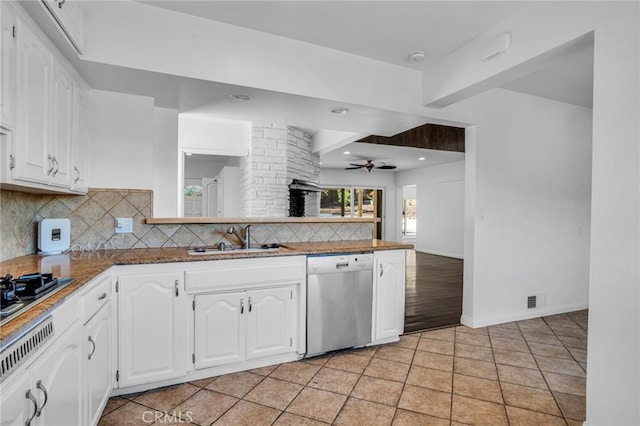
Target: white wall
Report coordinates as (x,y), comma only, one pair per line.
(121,141)
(440,209)
(377,179)
(198,169)
(532,206)
(209,135)
(165,164)
(440,219)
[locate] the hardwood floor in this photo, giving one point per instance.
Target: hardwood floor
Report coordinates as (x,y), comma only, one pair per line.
(433,291)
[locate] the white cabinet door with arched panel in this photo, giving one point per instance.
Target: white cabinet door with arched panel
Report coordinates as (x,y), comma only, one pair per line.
(219,327)
(152,328)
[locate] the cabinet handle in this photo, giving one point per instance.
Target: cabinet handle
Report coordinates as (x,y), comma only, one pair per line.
(241,306)
(61,3)
(177,284)
(250,305)
(40,386)
(102,296)
(94,347)
(75,168)
(30,397)
(381,270)
(55,172)
(53,166)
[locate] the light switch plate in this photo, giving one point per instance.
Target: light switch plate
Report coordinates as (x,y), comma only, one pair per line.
(124,225)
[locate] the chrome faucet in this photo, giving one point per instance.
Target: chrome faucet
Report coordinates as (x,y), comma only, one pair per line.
(246,240)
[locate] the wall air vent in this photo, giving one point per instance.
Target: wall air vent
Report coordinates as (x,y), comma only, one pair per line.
(19,351)
(532,302)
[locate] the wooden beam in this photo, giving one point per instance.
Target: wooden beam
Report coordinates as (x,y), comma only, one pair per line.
(427,136)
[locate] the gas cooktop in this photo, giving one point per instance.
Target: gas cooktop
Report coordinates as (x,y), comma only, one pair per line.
(19,294)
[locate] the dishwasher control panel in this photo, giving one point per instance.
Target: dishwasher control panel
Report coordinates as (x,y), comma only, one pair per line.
(331,264)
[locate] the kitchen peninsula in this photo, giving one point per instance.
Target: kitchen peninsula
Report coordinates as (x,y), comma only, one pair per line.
(138,319)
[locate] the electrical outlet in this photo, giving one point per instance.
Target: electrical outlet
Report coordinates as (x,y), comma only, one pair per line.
(124,225)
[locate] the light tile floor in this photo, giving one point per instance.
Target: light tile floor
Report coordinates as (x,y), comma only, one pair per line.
(522,373)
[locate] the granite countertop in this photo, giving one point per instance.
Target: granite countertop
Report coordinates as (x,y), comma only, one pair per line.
(86,266)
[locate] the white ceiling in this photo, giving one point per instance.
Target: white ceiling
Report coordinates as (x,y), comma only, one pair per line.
(401,157)
(381,30)
(384,30)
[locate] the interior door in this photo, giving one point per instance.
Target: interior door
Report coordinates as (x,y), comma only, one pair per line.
(209,197)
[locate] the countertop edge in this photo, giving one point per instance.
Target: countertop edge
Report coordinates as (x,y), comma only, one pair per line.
(28,319)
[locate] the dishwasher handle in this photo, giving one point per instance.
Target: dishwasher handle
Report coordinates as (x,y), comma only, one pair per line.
(342,265)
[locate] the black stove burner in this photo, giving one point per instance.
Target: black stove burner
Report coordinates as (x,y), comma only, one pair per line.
(7,291)
(33,285)
(18,294)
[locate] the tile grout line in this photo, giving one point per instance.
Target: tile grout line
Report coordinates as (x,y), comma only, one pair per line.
(495,365)
(542,374)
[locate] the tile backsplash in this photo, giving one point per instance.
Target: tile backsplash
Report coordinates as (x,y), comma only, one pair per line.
(93,216)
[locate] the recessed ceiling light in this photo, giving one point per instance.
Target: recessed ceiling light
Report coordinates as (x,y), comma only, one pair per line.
(188,153)
(340,111)
(421,158)
(346,153)
(241,98)
(417,56)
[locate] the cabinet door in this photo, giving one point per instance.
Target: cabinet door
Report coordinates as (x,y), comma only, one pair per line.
(69,15)
(79,152)
(33,110)
(389,277)
(219,328)
(62,123)
(269,322)
(152,328)
(8,67)
(15,407)
(97,360)
(56,380)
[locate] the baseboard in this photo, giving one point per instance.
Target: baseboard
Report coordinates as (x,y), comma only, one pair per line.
(475,322)
(438,253)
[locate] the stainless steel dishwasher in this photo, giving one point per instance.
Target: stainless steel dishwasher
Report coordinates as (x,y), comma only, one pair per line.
(339,302)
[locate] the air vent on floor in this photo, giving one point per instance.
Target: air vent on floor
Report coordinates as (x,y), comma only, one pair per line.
(532,302)
(19,351)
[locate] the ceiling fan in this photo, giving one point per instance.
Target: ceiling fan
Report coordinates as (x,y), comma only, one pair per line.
(370,165)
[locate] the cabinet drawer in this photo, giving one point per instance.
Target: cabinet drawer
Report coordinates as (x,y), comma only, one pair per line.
(238,273)
(95,298)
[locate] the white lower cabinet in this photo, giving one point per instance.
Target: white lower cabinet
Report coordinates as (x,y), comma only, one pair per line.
(238,326)
(152,328)
(97,364)
(49,392)
(57,376)
(388,294)
(15,406)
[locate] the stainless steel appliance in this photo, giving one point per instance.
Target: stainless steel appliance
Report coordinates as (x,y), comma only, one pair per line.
(19,294)
(339,302)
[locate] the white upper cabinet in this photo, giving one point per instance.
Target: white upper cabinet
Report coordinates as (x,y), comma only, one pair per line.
(8,68)
(45,107)
(68,14)
(31,148)
(79,149)
(62,126)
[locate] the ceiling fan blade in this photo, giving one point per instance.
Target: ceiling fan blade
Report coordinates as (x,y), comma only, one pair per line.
(353,168)
(357,165)
(386,167)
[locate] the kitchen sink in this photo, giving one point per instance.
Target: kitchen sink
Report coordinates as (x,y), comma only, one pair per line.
(203,251)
